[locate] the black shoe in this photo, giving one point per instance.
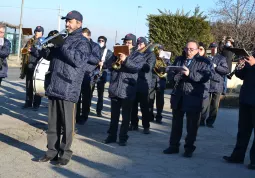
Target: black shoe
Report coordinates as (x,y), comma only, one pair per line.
(109,140)
(99,114)
(80,122)
(62,162)
(209,125)
(146,131)
(26,106)
(230,159)
(35,108)
(133,127)
(171,150)
(251,166)
(122,143)
(45,158)
(202,123)
(159,121)
(187,154)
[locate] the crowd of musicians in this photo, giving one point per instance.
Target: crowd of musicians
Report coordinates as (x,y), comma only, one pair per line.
(78,65)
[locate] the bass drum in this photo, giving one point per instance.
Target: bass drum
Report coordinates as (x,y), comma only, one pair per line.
(39,76)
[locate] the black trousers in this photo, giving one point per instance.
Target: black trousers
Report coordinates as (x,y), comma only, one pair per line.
(116,105)
(246,125)
(61,115)
(143,99)
(31,99)
(100,95)
(213,106)
(1,81)
(205,109)
(159,93)
(84,100)
(177,125)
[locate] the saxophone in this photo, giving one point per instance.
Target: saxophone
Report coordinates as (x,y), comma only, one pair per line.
(160,64)
(25,57)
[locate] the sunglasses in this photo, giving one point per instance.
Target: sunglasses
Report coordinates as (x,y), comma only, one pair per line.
(100,40)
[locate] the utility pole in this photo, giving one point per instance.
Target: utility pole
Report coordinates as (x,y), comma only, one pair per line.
(20,29)
(59,18)
(116,37)
(138,7)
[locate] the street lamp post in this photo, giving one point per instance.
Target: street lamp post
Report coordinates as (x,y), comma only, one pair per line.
(138,7)
(20,28)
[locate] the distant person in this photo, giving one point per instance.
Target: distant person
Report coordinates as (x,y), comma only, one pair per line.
(32,100)
(219,71)
(5,47)
(229,55)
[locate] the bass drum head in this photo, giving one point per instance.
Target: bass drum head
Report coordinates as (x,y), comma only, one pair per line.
(39,76)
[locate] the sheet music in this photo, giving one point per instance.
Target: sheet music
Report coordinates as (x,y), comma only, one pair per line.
(1,41)
(165,54)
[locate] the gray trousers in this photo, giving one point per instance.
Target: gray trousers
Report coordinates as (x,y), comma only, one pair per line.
(61,115)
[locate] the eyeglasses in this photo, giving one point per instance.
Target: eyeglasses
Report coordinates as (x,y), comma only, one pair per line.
(2,32)
(100,40)
(190,49)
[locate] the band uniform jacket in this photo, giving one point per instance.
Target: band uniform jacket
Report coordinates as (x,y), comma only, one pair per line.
(247,94)
(144,82)
(221,70)
(123,83)
(190,89)
(4,53)
(63,80)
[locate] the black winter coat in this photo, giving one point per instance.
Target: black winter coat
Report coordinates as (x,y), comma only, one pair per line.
(247,94)
(144,82)
(221,70)
(190,89)
(4,53)
(123,82)
(64,79)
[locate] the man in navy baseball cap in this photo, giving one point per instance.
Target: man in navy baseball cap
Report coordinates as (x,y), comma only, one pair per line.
(141,40)
(73,21)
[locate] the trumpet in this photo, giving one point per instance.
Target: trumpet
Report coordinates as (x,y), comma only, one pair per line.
(117,64)
(43,44)
(238,66)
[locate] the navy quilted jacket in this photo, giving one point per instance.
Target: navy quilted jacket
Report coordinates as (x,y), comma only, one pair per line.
(123,82)
(67,67)
(190,89)
(4,53)
(144,82)
(247,94)
(94,59)
(221,70)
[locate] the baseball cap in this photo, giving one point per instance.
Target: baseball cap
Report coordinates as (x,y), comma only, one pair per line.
(73,15)
(39,29)
(141,40)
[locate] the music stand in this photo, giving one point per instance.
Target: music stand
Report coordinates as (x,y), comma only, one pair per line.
(27,31)
(121,49)
(239,51)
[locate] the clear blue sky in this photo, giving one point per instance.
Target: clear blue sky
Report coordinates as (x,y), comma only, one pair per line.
(102,17)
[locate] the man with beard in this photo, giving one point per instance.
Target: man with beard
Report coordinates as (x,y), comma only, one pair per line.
(63,84)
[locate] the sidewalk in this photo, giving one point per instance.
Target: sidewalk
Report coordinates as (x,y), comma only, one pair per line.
(23,138)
